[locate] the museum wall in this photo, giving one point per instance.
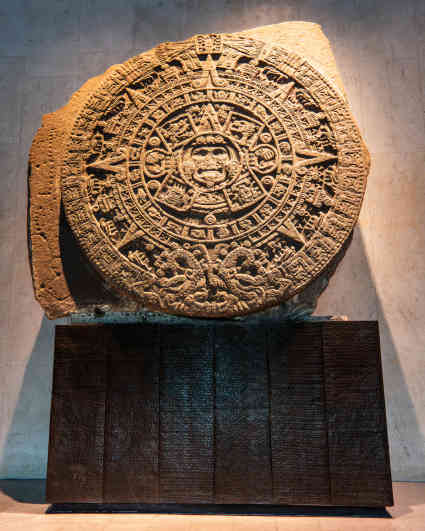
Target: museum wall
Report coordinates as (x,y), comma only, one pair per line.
(48,48)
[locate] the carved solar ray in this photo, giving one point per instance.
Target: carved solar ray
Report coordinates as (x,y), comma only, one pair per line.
(214,177)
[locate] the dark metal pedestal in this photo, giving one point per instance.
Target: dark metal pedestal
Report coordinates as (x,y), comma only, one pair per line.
(219,413)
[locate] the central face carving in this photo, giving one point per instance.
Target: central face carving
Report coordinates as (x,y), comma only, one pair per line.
(211,164)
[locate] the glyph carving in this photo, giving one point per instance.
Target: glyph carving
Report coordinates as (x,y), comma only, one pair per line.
(213,177)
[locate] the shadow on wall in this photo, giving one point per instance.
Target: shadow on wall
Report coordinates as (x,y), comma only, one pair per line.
(352,292)
(24,454)
(406,439)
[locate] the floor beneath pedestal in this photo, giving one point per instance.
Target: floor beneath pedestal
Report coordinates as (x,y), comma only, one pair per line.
(22,507)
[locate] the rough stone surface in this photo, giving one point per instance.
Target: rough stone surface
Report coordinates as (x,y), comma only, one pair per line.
(213,177)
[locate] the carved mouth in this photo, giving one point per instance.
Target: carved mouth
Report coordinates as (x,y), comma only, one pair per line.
(210,176)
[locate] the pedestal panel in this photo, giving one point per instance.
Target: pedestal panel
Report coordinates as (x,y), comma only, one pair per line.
(219,413)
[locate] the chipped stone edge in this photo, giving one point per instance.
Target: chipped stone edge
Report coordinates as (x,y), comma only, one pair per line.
(44,207)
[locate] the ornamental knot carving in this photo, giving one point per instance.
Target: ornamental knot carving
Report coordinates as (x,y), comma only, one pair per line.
(189,278)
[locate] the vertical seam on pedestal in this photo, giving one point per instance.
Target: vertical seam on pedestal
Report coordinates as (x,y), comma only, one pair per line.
(105,353)
(269,394)
(325,410)
(158,337)
(214,384)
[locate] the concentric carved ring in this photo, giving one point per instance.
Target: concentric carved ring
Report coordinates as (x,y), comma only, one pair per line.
(213,177)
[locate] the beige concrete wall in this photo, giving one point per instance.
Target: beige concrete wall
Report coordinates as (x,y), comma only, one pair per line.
(48,48)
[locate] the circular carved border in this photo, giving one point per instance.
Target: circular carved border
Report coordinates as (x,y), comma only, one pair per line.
(179,246)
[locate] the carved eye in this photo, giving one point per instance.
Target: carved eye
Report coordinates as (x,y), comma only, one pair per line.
(200,153)
(219,152)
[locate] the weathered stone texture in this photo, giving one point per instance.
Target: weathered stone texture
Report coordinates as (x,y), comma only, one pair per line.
(213,177)
(304,38)
(46,157)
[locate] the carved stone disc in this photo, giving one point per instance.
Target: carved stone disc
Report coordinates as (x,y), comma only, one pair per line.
(213,177)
